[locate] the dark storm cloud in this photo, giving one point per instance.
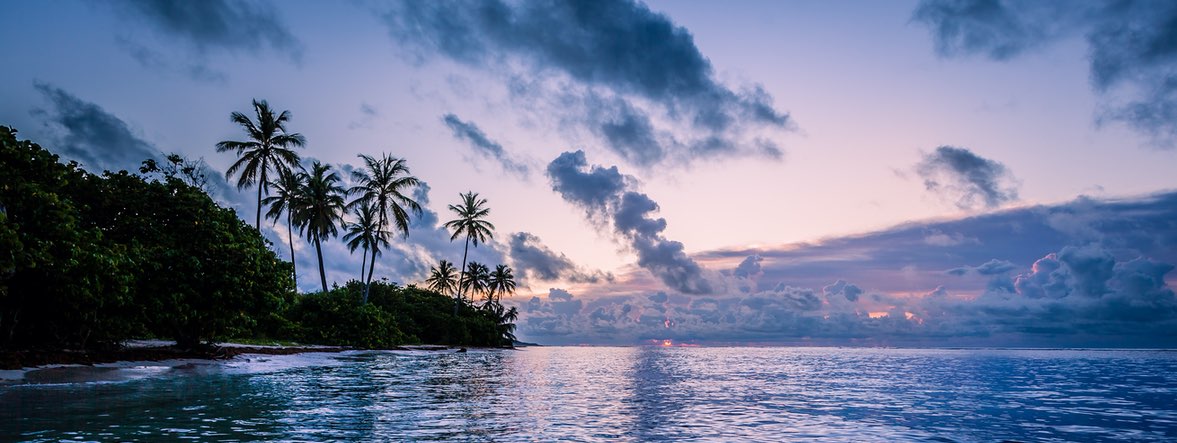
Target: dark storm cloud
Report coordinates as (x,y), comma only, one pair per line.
(593,189)
(630,133)
(535,261)
(90,134)
(662,257)
(612,53)
(219,24)
(605,196)
(483,145)
(967,178)
(1132,47)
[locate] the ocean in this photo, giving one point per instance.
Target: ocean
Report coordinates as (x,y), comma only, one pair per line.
(590,394)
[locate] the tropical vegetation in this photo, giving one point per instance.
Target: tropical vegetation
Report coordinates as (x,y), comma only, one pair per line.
(471,223)
(267,149)
(88,261)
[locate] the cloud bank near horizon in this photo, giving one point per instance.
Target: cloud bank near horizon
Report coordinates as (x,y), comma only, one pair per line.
(1084,273)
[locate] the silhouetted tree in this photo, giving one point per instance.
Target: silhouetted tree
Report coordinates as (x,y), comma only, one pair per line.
(268,147)
(366,234)
(443,278)
(502,282)
(318,209)
(477,279)
(286,187)
(470,222)
(383,184)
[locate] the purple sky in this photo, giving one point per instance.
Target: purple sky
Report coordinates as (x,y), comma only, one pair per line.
(944,173)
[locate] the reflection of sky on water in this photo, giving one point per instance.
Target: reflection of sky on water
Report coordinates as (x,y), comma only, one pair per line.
(648,393)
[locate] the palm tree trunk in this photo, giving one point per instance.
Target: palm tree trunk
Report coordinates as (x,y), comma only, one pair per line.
(371,269)
(290,236)
(322,272)
(461,275)
(260,184)
(372,266)
(363,264)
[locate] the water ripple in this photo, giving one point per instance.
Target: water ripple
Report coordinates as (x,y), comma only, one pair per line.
(621,394)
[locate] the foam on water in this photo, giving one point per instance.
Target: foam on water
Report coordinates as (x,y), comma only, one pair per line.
(621,394)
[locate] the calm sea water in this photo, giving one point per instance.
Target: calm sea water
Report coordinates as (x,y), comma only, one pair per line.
(613,394)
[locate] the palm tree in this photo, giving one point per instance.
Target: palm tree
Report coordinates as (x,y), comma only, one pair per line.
(318,209)
(286,187)
(382,184)
(443,278)
(502,282)
(366,234)
(505,322)
(268,148)
(471,224)
(477,279)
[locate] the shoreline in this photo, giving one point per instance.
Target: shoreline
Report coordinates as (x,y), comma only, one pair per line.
(32,359)
(160,351)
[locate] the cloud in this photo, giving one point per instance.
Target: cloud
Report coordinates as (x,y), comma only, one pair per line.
(1078,296)
(483,145)
(535,261)
(594,189)
(937,238)
(155,60)
(99,140)
(971,180)
(613,68)
(1130,48)
(847,290)
(88,133)
(605,196)
(218,25)
(368,113)
(748,268)
(1140,226)
(991,267)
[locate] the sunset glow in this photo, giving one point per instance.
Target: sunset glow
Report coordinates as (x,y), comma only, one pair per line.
(700,171)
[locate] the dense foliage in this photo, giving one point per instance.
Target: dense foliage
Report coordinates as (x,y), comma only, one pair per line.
(97,259)
(88,261)
(395,315)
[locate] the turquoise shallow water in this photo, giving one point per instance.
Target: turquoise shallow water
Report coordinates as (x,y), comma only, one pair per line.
(613,394)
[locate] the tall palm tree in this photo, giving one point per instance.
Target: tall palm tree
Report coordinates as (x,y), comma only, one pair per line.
(318,209)
(477,279)
(286,187)
(470,223)
(502,282)
(443,278)
(383,183)
(268,148)
(366,234)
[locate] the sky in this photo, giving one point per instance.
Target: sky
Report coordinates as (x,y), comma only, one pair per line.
(932,173)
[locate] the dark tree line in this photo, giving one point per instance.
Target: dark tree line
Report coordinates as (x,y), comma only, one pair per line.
(90,260)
